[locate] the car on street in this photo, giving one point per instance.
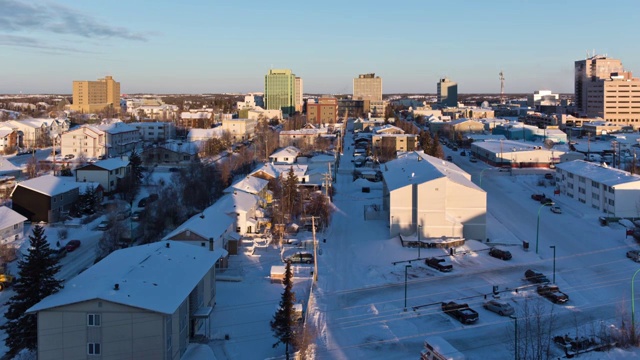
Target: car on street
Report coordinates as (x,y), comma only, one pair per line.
(300,258)
(463,153)
(535,277)
(553,293)
(537,197)
(69,156)
(473,159)
(500,254)
(449,158)
(548,176)
(72,245)
(556,210)
(546,201)
(501,308)
(634,255)
(438,264)
(103,225)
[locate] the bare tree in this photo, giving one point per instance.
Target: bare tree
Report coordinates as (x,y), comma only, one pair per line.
(33,167)
(535,330)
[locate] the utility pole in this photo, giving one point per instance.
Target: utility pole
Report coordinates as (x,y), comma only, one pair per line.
(315,250)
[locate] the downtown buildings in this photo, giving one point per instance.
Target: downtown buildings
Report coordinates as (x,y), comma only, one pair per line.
(283,91)
(92,96)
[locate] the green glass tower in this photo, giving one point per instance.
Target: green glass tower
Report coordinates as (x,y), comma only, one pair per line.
(280,91)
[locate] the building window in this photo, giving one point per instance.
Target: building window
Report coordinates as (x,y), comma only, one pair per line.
(93,349)
(94,319)
(594,184)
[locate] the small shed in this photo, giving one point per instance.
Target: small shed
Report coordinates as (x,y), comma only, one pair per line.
(278,273)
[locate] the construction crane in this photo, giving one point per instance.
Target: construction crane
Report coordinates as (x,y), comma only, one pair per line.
(502,100)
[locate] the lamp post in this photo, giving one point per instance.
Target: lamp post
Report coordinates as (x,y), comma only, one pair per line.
(419,243)
(405,286)
(538,226)
(554,262)
(515,318)
(633,308)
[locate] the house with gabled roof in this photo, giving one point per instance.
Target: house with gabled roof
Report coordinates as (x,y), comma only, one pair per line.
(271,171)
(433,198)
(105,172)
(287,155)
(45,198)
(143,302)
(252,185)
(11,225)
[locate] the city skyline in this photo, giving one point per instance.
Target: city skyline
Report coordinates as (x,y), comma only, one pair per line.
(215,47)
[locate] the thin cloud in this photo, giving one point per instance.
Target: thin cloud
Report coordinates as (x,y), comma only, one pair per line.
(33,43)
(20,16)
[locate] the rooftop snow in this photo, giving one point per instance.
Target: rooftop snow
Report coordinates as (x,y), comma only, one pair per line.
(49,185)
(116,128)
(288,151)
(155,277)
(111,164)
(596,172)
(8,217)
(249,184)
(210,223)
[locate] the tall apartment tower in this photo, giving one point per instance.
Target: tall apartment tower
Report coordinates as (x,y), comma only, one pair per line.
(447,93)
(367,87)
(299,91)
(589,70)
(280,91)
(92,96)
(603,89)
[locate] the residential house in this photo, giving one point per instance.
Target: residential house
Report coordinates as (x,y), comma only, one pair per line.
(300,138)
(611,191)
(287,155)
(120,138)
(270,171)
(8,140)
(463,126)
(144,302)
(252,185)
(30,133)
(155,131)
(432,198)
(86,141)
(11,225)
(240,129)
(162,112)
(387,129)
(173,152)
(197,118)
(45,198)
(108,173)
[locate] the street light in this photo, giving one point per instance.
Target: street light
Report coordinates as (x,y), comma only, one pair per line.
(538,226)
(405,286)
(515,318)
(633,308)
(554,262)
(419,243)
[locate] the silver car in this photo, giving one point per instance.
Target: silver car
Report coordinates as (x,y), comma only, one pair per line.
(499,307)
(634,255)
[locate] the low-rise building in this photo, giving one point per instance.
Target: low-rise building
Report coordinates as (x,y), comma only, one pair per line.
(240,129)
(323,110)
(204,134)
(8,140)
(271,171)
(173,152)
(155,131)
(398,142)
(611,191)
(11,225)
(143,302)
(517,154)
(252,185)
(120,138)
(45,198)
(287,155)
(108,173)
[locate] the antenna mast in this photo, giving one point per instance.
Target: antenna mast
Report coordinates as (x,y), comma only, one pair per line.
(502,100)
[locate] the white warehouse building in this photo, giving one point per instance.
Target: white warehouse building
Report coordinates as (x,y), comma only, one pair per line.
(614,192)
(433,197)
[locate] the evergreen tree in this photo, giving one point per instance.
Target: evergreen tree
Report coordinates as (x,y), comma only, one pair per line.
(35,281)
(283,324)
(290,193)
(136,168)
(65,171)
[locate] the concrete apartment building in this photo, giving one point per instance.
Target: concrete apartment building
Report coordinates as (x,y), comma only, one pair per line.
(155,131)
(108,173)
(367,87)
(323,110)
(447,93)
(615,99)
(434,198)
(280,90)
(614,192)
(400,142)
(92,96)
(143,302)
(589,70)
(240,129)
(299,91)
(86,140)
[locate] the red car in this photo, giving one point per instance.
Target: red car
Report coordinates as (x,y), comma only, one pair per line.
(72,245)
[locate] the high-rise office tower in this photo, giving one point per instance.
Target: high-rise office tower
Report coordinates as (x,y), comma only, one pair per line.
(589,70)
(367,87)
(280,91)
(299,91)
(447,93)
(91,96)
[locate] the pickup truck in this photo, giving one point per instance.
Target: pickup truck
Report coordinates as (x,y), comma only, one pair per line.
(438,264)
(460,312)
(535,277)
(553,293)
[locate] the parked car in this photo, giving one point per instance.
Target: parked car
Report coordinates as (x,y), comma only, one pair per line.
(463,153)
(72,245)
(449,158)
(535,277)
(438,264)
(548,176)
(473,159)
(460,312)
(538,197)
(104,225)
(500,254)
(556,210)
(501,308)
(69,156)
(634,255)
(300,258)
(553,293)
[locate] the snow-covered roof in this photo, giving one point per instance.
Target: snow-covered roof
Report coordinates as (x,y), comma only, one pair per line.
(5,132)
(289,151)
(416,167)
(6,165)
(196,115)
(596,172)
(85,185)
(282,169)
(181,147)
(49,185)
(8,217)
(249,184)
(387,128)
(157,277)
(116,128)
(497,146)
(110,164)
(304,132)
(205,133)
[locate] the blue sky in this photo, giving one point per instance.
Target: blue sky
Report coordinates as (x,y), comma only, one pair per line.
(196,46)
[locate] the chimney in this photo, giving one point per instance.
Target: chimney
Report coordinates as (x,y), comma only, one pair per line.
(168,245)
(210,244)
(116,287)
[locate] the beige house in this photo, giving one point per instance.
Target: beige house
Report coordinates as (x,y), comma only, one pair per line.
(433,198)
(143,302)
(105,172)
(240,129)
(11,225)
(86,140)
